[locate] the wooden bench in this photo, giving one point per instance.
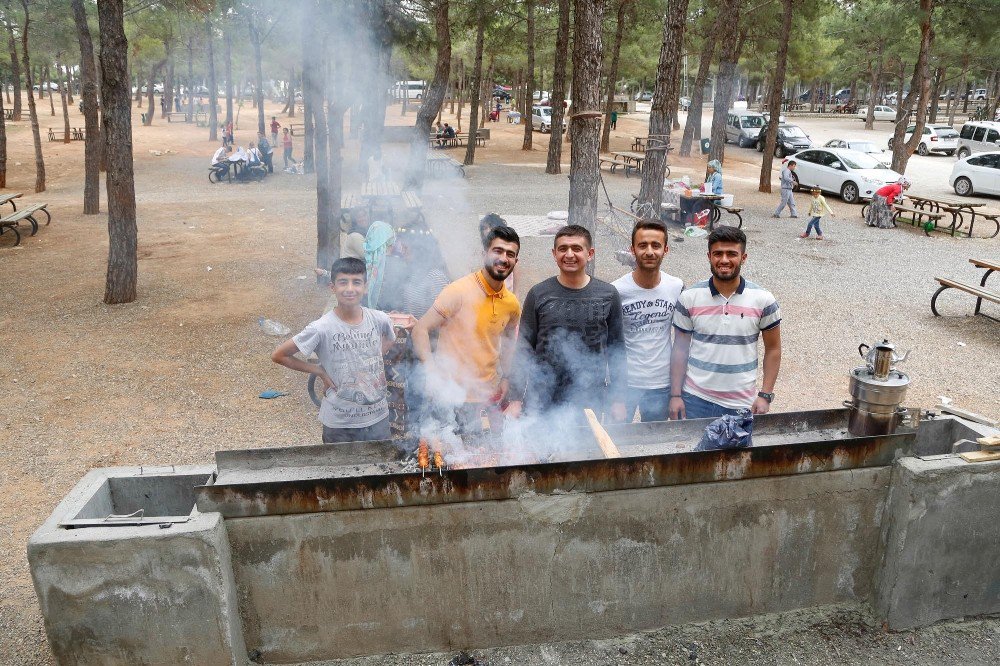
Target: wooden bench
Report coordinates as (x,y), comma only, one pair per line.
(615,163)
(413,205)
(915,217)
(58,134)
(184,115)
(438,165)
(9,198)
(13,220)
(201,118)
(296,127)
(734,210)
(980,292)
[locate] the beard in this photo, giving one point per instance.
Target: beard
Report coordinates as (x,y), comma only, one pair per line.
(735,275)
(498,272)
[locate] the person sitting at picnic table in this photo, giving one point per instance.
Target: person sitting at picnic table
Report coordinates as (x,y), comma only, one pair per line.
(880,212)
(266,151)
(713,181)
(448,133)
(220,161)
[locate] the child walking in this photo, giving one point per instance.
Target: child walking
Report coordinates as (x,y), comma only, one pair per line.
(817,207)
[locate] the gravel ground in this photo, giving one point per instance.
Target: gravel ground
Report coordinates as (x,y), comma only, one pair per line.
(174,376)
(830,636)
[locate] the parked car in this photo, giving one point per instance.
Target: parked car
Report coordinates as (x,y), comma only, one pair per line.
(791,139)
(501,93)
(881,113)
(684,103)
(936,139)
(644,96)
(850,173)
(977,174)
(977,94)
(743,127)
(541,119)
(978,136)
(841,96)
(49,86)
(541,94)
(861,145)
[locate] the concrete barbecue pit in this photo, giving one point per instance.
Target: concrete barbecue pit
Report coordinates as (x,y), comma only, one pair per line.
(319,552)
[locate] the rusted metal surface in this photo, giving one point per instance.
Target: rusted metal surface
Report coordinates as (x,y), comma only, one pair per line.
(817,451)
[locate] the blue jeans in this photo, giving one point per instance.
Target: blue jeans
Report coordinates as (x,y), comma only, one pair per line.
(653,404)
(699,408)
(814,222)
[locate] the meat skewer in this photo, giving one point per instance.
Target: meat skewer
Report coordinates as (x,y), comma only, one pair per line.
(423,460)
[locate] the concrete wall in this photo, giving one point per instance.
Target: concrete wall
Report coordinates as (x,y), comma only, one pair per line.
(942,542)
(136,595)
(326,585)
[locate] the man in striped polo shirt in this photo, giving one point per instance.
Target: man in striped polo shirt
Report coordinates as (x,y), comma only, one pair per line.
(713,367)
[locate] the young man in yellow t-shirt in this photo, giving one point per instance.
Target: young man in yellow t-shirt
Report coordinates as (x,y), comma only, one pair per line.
(476,318)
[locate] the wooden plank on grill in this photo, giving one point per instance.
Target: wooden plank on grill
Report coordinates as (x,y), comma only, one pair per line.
(603,438)
(980,456)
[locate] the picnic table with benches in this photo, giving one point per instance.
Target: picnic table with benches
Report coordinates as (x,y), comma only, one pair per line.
(9,198)
(75,134)
(980,292)
(434,141)
(927,212)
(387,193)
(27,214)
(296,127)
(439,165)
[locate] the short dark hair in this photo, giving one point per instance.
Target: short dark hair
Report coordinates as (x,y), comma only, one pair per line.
(348,266)
(726,234)
(503,233)
(791,162)
(574,230)
(651,224)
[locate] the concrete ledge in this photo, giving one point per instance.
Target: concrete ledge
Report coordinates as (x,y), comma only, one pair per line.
(941,537)
(136,595)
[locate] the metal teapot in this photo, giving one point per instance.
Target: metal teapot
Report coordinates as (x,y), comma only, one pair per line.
(881,359)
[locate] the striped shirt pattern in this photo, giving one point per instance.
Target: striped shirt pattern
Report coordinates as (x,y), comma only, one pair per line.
(722,362)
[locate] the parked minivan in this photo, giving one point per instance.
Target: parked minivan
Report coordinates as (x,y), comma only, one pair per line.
(978,136)
(743,126)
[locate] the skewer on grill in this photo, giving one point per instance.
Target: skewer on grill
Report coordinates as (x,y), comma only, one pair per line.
(423,460)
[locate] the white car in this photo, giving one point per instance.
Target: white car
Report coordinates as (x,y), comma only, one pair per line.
(850,173)
(541,119)
(977,174)
(936,139)
(860,145)
(881,113)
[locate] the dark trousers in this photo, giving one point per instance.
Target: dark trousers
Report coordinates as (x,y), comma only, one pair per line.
(269,161)
(373,433)
(653,404)
(287,155)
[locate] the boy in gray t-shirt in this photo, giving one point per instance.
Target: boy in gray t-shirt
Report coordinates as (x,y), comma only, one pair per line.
(349,341)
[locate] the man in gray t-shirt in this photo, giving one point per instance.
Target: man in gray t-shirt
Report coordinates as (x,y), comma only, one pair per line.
(648,299)
(349,341)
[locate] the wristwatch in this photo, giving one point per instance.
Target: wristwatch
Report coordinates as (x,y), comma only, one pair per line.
(767,396)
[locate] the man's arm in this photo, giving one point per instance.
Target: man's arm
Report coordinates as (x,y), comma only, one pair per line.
(772,363)
(285,355)
(678,369)
(421,335)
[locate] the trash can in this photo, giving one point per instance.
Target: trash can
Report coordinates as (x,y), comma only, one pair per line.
(706,146)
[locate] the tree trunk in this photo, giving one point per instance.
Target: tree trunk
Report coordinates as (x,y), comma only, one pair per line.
(875,83)
(69,84)
(291,92)
(228,41)
(777,89)
(476,90)
(88,96)
(664,93)
(992,113)
(190,78)
(168,86)
(122,275)
(321,162)
(213,91)
(32,108)
(935,92)
(48,89)
(309,94)
(613,75)
(529,8)
(63,86)
(585,121)
(692,126)
(150,101)
(725,80)
(919,86)
(434,100)
(15,64)
(553,159)
(462,82)
(255,40)
(3,147)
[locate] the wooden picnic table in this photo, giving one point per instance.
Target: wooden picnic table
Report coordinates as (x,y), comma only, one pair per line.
(631,158)
(9,198)
(980,292)
(958,210)
(688,205)
(640,143)
(380,189)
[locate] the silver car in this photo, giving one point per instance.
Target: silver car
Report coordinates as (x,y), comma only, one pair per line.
(541,119)
(978,136)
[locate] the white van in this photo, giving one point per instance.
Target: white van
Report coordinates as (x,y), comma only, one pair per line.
(743,127)
(978,136)
(409,89)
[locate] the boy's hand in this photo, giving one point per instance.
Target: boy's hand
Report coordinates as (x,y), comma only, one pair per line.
(328,384)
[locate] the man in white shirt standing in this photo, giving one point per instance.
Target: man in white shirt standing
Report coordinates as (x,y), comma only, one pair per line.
(648,298)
